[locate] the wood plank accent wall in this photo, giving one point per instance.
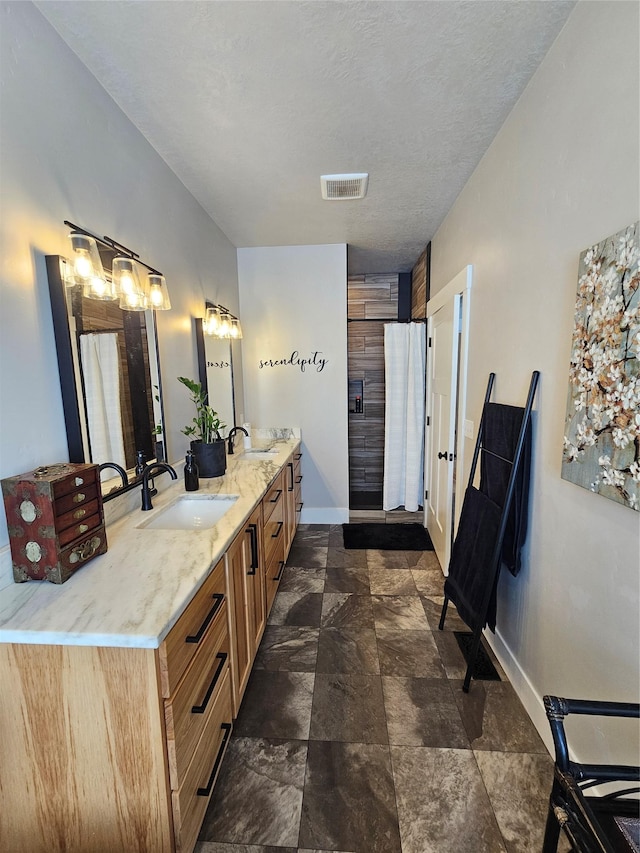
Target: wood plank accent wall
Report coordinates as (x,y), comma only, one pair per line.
(371,300)
(420,282)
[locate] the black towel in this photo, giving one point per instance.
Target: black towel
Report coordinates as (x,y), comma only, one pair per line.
(501,428)
(471,564)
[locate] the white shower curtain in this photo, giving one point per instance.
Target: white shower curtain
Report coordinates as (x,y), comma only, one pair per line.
(404,376)
(101,370)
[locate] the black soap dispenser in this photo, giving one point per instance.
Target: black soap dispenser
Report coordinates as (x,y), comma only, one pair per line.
(191,481)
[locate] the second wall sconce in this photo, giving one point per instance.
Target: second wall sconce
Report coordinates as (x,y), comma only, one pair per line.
(124,282)
(219,322)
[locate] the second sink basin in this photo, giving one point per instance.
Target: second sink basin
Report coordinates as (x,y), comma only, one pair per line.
(191,512)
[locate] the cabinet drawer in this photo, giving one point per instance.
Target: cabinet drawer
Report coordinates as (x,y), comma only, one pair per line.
(183,640)
(80,479)
(75,499)
(71,533)
(273,530)
(186,713)
(191,801)
(273,572)
(74,516)
(273,499)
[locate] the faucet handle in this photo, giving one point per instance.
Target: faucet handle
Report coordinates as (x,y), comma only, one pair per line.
(140,462)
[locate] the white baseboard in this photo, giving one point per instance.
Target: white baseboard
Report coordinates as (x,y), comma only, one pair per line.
(325,515)
(527,694)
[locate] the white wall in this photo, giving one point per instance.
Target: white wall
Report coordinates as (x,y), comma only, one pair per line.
(68,152)
(293,299)
(561,175)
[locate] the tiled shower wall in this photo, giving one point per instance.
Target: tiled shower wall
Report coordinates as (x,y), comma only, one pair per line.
(371,300)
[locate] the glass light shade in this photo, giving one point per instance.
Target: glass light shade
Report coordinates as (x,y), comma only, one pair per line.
(224,330)
(235,330)
(158,293)
(212,320)
(133,295)
(88,269)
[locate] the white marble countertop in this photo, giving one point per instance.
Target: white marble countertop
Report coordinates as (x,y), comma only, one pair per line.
(132,595)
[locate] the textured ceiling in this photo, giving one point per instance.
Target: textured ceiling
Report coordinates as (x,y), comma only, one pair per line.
(250,102)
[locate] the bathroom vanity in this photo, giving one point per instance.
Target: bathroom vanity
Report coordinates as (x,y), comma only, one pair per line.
(120,687)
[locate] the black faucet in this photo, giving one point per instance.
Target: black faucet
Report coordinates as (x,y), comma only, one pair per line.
(118,468)
(155,467)
(230,437)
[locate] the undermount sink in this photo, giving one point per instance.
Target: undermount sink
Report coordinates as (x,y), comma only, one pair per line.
(191,512)
(260,451)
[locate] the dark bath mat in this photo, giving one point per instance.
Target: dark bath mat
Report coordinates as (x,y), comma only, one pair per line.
(387,537)
(484,669)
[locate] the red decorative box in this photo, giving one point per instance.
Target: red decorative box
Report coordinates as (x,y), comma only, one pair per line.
(55,520)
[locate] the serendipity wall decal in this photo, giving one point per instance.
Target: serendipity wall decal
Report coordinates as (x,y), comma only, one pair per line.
(602,426)
(315,361)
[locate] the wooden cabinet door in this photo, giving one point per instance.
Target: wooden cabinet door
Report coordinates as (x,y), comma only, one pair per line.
(241,658)
(245,573)
(256,597)
(289,505)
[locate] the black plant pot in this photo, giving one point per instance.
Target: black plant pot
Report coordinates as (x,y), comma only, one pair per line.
(210,458)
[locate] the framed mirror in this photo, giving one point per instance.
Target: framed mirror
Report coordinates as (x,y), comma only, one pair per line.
(109,376)
(215,372)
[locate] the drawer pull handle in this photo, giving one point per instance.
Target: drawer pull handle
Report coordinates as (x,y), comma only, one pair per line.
(275,499)
(278,531)
(290,467)
(204,792)
(299,478)
(298,456)
(300,507)
(218,598)
(253,535)
(200,709)
(77,499)
(279,575)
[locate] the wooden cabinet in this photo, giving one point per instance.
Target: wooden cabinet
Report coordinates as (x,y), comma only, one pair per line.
(245,581)
(116,748)
(83,753)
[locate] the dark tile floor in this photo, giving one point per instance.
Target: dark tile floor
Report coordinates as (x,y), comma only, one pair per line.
(354,734)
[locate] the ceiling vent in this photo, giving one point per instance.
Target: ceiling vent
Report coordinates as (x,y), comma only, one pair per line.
(344,187)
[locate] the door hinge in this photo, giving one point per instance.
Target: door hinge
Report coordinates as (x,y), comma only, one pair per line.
(428,420)
(429,344)
(426,495)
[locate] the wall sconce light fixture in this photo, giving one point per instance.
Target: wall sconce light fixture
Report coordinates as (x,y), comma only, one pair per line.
(88,269)
(219,322)
(158,293)
(124,282)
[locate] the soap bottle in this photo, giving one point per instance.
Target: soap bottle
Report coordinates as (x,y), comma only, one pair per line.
(191,481)
(246,439)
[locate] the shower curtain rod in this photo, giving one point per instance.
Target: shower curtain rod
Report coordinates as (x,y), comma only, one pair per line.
(384,320)
(100,331)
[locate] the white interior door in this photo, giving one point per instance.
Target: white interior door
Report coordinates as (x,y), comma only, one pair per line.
(442,372)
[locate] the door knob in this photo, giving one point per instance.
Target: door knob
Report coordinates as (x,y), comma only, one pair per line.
(442,455)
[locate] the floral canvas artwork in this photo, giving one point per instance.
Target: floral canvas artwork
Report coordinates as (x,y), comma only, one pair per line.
(602,426)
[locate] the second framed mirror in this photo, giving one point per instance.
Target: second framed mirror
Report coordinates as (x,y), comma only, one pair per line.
(215,372)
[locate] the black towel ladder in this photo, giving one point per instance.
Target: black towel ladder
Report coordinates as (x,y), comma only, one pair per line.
(497,549)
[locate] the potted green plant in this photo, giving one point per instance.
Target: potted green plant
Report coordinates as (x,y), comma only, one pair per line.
(206,442)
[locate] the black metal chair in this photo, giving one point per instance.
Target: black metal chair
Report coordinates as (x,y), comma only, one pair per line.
(605,824)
